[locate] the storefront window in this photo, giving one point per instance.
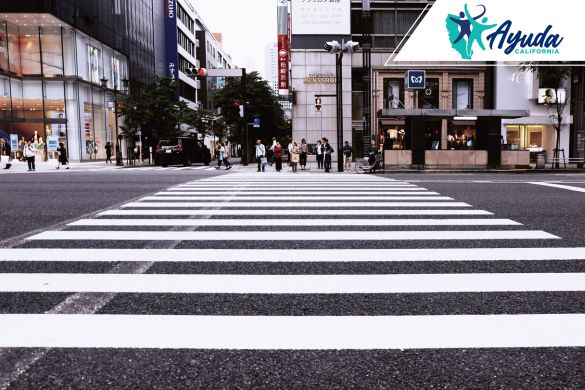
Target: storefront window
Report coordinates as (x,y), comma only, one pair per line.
(429,98)
(433,135)
(52,51)
(530,138)
(4,98)
(30,51)
(393,93)
(463,94)
(461,137)
(32,93)
(3,47)
(394,138)
(14,50)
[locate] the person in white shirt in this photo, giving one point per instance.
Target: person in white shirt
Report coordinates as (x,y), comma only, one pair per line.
(29,152)
(260,154)
(319,153)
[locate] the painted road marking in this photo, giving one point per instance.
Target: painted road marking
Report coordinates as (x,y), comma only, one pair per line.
(322,213)
(560,186)
(416,235)
(295,222)
(371,205)
(286,197)
(291,284)
(291,332)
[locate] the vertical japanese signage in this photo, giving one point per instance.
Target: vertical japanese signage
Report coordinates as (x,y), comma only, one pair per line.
(283,47)
(172,61)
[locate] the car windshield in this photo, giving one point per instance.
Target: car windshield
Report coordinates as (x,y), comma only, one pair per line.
(169,142)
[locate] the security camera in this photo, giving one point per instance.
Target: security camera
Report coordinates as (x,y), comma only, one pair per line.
(352,46)
(332,47)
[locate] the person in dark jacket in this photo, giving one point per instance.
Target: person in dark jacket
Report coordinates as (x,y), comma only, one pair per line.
(328,151)
(108,148)
(63,160)
(278,156)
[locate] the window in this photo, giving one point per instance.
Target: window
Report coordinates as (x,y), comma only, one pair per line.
(429,98)
(393,93)
(463,94)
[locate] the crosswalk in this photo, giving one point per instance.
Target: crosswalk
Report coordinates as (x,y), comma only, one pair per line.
(334,238)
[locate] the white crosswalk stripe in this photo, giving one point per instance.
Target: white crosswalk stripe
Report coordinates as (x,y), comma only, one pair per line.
(345,234)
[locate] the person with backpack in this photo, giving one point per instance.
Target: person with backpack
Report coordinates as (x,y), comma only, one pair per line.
(347,154)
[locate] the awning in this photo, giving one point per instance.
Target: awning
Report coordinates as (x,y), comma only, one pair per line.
(435,113)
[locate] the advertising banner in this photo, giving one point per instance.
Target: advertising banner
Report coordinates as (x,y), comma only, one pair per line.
(172,60)
(495,30)
(283,82)
(320,17)
(14,142)
(52,143)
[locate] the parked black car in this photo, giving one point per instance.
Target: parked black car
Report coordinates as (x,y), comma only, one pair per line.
(181,150)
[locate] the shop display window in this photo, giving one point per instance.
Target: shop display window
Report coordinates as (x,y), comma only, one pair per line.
(393,93)
(461,138)
(429,97)
(463,94)
(433,136)
(525,138)
(394,138)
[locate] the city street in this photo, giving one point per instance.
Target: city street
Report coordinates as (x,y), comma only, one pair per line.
(198,278)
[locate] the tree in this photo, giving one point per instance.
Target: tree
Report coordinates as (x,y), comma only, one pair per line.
(553,74)
(206,122)
(157,111)
(261,103)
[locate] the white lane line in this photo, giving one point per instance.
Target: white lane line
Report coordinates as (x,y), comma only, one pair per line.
(291,332)
(291,284)
(286,197)
(291,255)
(372,205)
(246,191)
(292,235)
(322,213)
(294,184)
(560,186)
(369,223)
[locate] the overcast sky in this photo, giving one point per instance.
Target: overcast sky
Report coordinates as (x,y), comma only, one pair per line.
(247,27)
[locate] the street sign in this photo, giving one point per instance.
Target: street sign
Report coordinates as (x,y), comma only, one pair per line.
(52,143)
(415,79)
(256,122)
(14,142)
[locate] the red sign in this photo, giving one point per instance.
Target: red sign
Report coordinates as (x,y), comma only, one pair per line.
(283,81)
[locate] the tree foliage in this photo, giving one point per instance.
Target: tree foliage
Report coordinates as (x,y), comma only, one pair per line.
(156,111)
(206,122)
(261,103)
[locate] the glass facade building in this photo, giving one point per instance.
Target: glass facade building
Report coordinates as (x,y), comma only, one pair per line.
(64,65)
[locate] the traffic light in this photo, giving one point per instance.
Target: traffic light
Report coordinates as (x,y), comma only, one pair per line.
(318,104)
(196,72)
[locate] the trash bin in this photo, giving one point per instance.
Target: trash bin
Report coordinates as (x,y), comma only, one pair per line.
(540,161)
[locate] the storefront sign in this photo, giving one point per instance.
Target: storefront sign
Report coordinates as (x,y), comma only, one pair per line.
(321,17)
(52,143)
(320,79)
(283,64)
(172,59)
(14,142)
(415,79)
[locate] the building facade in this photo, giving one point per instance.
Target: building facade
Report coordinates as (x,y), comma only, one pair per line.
(467,114)
(63,67)
(271,65)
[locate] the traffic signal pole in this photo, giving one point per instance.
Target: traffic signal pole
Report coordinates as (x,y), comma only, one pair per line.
(339,101)
(244,121)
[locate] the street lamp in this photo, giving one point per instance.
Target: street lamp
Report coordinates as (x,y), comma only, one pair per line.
(334,47)
(104,81)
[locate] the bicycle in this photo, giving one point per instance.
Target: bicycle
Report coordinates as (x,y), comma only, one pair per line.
(363,165)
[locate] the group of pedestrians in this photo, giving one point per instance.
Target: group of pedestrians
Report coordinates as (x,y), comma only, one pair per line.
(222,157)
(298,155)
(29,151)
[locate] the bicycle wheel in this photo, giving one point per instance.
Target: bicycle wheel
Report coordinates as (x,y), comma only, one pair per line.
(359,166)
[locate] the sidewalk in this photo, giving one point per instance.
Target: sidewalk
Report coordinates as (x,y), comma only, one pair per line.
(51,165)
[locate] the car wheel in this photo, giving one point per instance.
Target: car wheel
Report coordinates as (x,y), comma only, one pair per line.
(187,163)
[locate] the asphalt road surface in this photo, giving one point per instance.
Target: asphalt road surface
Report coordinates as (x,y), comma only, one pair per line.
(193,278)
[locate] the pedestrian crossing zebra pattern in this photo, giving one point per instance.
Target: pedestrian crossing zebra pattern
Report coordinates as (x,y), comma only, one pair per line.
(295,263)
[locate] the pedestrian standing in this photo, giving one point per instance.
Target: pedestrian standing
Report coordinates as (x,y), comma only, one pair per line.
(347,154)
(63,160)
(108,148)
(319,153)
(278,156)
(304,149)
(294,159)
(328,151)
(261,155)
(289,148)
(226,162)
(219,153)
(274,142)
(29,152)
